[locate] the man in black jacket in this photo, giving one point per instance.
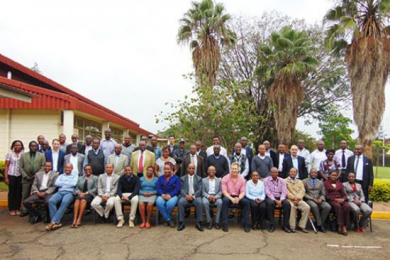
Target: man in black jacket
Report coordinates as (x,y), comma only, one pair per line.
(363,168)
(219,161)
(295,161)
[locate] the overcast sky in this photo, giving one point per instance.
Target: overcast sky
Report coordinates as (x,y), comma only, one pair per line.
(122,54)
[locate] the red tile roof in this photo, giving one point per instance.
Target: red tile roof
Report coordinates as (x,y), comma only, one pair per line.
(61,98)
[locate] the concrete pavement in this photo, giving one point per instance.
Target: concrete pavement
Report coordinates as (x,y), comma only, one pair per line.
(20,240)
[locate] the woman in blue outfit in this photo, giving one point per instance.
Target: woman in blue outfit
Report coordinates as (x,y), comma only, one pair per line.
(168,188)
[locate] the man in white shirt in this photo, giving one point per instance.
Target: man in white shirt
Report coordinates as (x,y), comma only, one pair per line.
(108,144)
(278,161)
(240,158)
(76,159)
(341,157)
(317,156)
(216,141)
(302,151)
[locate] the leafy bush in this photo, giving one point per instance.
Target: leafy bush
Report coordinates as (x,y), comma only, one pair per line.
(2,167)
(381,190)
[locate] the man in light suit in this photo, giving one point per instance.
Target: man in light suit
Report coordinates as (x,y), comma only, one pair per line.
(76,159)
(118,160)
(191,195)
(55,156)
(106,189)
(197,160)
(141,160)
(362,166)
(41,191)
(212,194)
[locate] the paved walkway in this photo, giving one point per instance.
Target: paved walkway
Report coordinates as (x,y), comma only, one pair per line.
(20,240)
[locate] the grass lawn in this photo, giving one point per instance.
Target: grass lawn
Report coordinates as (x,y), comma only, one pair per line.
(3,187)
(381,172)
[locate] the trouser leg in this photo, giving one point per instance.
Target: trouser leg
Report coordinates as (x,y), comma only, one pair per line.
(96,204)
(225,208)
(160,203)
(66,200)
(355,210)
(134,205)
(218,203)
(366,212)
(182,204)
(292,217)
(108,206)
(198,210)
(261,213)
(14,193)
(324,211)
(118,208)
(305,209)
(286,213)
(52,204)
(205,205)
(270,208)
(314,208)
(29,204)
(26,189)
(245,205)
(253,208)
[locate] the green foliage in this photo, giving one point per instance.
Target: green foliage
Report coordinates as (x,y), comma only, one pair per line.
(2,167)
(335,127)
(210,112)
(310,142)
(381,190)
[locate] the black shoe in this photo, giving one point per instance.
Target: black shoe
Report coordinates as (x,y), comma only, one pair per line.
(225,228)
(271,228)
(171,224)
(254,226)
(199,227)
(209,225)
(303,230)
(292,230)
(247,229)
(181,226)
(322,229)
(285,229)
(34,219)
(217,226)
(23,214)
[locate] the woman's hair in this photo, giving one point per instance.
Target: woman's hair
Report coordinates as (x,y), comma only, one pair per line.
(166,148)
(330,151)
(152,167)
(170,164)
(333,171)
(14,144)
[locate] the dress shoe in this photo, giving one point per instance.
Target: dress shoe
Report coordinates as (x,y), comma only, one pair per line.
(34,219)
(225,228)
(131,224)
(171,224)
(287,230)
(292,230)
(199,227)
(322,229)
(181,226)
(271,228)
(303,230)
(210,226)
(120,223)
(217,226)
(247,229)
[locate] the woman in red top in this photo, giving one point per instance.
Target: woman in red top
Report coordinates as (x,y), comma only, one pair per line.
(336,196)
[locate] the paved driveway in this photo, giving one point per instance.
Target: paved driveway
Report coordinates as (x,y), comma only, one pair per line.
(20,240)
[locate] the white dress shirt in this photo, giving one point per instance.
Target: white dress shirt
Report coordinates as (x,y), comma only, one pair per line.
(108,184)
(295,164)
(316,157)
(304,153)
(210,151)
(212,185)
(44,182)
(358,165)
(54,156)
(339,154)
(191,190)
(74,162)
(281,157)
(194,160)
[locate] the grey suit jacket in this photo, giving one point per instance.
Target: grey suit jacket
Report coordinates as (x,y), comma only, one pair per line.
(92,187)
(38,179)
(205,187)
(351,195)
(102,184)
(80,162)
(314,191)
(123,161)
(197,186)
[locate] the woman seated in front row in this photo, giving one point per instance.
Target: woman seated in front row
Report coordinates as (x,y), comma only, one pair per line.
(357,202)
(336,196)
(85,191)
(168,188)
(148,194)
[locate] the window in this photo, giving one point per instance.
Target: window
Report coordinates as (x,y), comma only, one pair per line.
(133,137)
(85,127)
(117,134)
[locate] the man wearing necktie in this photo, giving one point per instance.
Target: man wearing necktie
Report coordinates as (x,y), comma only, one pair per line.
(363,168)
(341,157)
(141,159)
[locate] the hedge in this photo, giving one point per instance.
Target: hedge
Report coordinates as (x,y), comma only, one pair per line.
(2,166)
(381,190)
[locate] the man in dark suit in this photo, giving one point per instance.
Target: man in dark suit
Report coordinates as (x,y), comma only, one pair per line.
(201,149)
(178,154)
(56,157)
(219,161)
(198,161)
(295,161)
(191,195)
(246,149)
(74,139)
(278,159)
(362,166)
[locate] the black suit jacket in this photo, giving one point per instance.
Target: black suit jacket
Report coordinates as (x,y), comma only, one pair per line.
(288,164)
(200,170)
(368,176)
(79,148)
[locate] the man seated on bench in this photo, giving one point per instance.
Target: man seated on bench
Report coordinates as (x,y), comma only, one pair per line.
(276,193)
(356,198)
(191,195)
(106,189)
(296,192)
(211,194)
(233,189)
(41,191)
(65,185)
(128,190)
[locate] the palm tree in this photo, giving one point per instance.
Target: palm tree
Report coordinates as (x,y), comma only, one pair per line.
(359,30)
(285,61)
(205,28)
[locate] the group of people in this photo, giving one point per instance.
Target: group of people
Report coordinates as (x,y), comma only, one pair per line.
(105,175)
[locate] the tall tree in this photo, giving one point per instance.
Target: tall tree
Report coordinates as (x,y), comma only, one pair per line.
(334,127)
(205,28)
(285,61)
(360,30)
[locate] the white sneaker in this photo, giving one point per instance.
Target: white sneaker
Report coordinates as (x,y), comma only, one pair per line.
(120,223)
(131,224)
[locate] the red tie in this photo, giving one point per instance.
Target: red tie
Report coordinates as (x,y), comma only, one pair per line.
(140,164)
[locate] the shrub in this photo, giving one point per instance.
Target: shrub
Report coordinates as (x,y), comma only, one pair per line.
(381,190)
(2,167)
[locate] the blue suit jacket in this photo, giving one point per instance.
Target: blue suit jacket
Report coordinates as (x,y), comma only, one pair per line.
(49,157)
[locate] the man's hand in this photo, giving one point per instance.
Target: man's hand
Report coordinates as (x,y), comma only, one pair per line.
(189,197)
(166,196)
(6,180)
(211,198)
(41,194)
(104,197)
(296,201)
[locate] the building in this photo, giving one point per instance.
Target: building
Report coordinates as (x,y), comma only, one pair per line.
(32,104)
